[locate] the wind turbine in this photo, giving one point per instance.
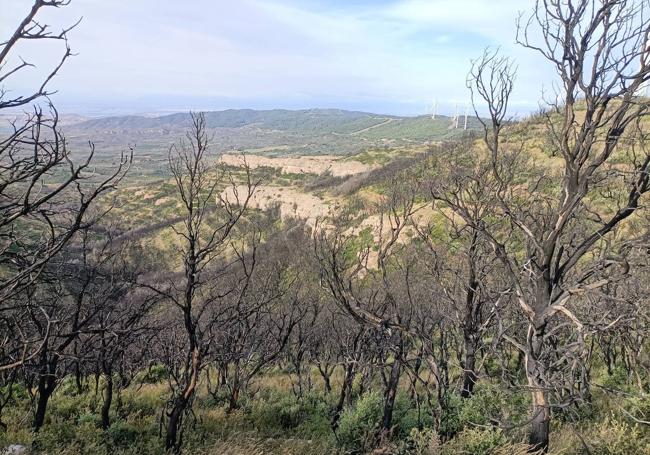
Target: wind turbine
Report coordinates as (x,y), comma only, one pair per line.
(434,109)
(643,64)
(466,114)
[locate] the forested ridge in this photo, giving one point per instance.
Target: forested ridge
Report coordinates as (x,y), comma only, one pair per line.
(488,294)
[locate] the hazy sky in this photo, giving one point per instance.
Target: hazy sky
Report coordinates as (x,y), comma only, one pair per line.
(383,56)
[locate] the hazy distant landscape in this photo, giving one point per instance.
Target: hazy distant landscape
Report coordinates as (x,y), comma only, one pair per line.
(269,133)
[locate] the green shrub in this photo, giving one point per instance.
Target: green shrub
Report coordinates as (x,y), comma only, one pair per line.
(123,434)
(616,380)
(67,386)
(18,392)
(488,405)
(69,437)
(66,407)
(450,422)
(283,411)
(475,441)
(55,434)
(153,375)
(407,416)
(638,406)
(218,399)
(142,404)
(617,437)
(359,423)
(422,442)
(89,418)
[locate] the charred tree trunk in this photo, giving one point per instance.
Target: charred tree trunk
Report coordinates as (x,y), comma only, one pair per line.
(46,386)
(391,393)
(78,377)
(416,373)
(233,401)
(541,415)
(173,438)
(297,362)
(471,323)
(326,373)
(346,392)
(469,368)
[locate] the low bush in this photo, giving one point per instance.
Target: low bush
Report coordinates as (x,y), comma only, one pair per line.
(282,411)
(488,405)
(67,437)
(422,442)
(359,423)
(155,374)
(123,434)
(407,417)
(475,441)
(618,437)
(89,418)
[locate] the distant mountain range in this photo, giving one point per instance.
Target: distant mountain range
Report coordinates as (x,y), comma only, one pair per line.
(310,131)
(308,122)
(311,120)
(270,132)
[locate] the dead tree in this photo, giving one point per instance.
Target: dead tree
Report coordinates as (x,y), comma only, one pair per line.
(210,217)
(363,284)
(121,325)
(599,51)
(350,339)
(73,289)
(300,350)
(458,258)
(45,192)
(264,313)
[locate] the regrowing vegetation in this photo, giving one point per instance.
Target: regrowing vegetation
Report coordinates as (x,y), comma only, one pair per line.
(484,295)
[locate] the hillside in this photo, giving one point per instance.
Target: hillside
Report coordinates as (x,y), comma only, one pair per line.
(307,122)
(273,133)
(314,120)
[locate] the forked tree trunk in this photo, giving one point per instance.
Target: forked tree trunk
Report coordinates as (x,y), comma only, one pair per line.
(46,386)
(346,391)
(173,440)
(326,374)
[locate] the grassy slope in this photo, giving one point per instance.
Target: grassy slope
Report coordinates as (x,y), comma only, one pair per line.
(275,421)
